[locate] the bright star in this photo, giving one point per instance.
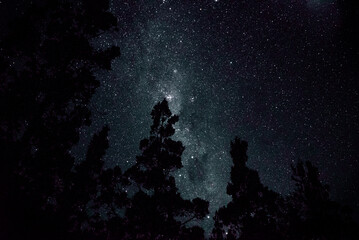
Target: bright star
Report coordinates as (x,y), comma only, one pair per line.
(169,97)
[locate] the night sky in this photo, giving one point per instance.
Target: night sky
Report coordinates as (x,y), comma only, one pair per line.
(278,74)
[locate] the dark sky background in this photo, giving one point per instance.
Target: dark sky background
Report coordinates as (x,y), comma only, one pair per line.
(279,74)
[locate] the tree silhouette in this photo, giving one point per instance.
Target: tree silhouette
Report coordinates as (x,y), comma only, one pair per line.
(254,211)
(258,213)
(46,71)
(311,213)
(47,65)
(98,194)
(157,210)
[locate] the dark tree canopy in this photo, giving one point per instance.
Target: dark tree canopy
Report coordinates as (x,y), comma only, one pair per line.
(97,193)
(157,210)
(311,213)
(46,84)
(256,212)
(253,211)
(160,154)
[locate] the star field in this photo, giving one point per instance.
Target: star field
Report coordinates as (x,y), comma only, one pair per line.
(276,74)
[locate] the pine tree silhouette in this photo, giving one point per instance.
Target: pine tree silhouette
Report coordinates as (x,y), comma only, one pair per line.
(157,210)
(254,210)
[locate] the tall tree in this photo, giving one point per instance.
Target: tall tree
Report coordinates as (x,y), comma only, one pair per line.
(158,211)
(46,71)
(254,211)
(97,195)
(311,213)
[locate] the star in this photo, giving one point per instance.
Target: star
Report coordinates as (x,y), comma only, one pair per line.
(169,97)
(235,72)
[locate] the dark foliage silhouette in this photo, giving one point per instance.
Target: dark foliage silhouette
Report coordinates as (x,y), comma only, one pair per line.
(254,210)
(258,213)
(98,194)
(157,210)
(311,213)
(46,83)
